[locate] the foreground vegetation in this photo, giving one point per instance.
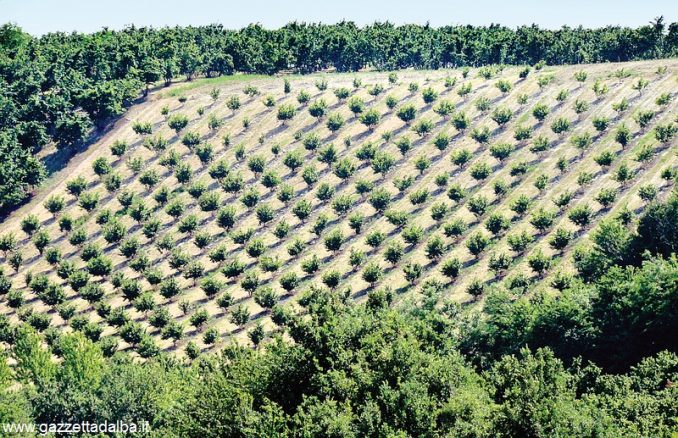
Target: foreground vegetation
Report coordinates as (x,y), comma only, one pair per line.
(427,368)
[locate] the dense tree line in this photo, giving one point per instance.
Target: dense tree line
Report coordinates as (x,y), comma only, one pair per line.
(56,88)
(598,359)
(623,307)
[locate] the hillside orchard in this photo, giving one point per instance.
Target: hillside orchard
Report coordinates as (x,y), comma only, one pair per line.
(216,209)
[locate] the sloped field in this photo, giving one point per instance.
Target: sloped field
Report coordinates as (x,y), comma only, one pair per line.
(172,241)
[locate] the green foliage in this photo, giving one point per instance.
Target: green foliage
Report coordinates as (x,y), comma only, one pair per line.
(286,112)
(580,106)
(429,95)
(477,242)
(318,109)
(423,127)
(460,120)
(335,121)
(429,368)
(580,215)
(501,151)
(407,113)
(370,118)
(480,171)
(481,134)
(177,122)
(496,223)
(445,108)
(523,133)
(540,111)
(356,105)
(643,117)
(501,115)
(542,219)
(664,133)
(372,273)
(560,125)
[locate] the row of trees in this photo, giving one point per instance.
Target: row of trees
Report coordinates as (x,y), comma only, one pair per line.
(57,87)
(511,369)
(381,162)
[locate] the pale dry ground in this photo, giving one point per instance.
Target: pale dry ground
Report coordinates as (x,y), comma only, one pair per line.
(263,122)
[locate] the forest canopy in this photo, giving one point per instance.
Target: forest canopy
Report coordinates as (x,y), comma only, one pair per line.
(58,87)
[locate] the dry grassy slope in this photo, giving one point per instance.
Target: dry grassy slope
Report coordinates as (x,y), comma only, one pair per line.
(263,122)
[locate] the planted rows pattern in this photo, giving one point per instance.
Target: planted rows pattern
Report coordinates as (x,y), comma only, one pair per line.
(208,217)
